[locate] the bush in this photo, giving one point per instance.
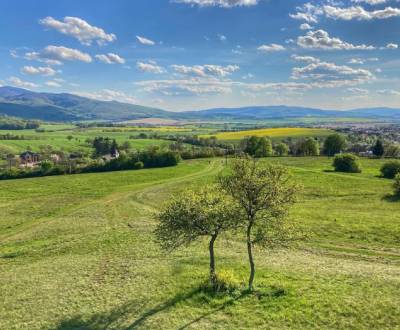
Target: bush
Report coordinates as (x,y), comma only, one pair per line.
(138,165)
(396,185)
(347,163)
(390,169)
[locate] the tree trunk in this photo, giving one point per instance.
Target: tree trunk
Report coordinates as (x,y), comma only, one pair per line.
(250,253)
(213,275)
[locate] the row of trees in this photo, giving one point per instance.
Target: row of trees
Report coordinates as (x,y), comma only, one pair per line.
(252,200)
(8,123)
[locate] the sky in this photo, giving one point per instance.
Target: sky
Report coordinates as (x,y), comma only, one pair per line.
(197,54)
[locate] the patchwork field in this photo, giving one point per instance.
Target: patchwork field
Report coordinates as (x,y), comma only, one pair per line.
(77,252)
(275,133)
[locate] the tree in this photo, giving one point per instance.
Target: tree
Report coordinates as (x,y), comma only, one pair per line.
(194,214)
(396,185)
(392,151)
(282,149)
(308,147)
(334,144)
(378,149)
(258,146)
(263,193)
(346,163)
(390,169)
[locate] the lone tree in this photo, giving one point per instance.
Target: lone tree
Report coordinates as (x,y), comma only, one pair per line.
(258,146)
(334,144)
(194,214)
(346,163)
(263,194)
(378,149)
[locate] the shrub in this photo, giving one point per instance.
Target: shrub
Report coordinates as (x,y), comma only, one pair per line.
(396,185)
(138,165)
(347,163)
(390,169)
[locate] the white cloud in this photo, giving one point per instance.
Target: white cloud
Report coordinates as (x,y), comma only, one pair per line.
(371,2)
(145,41)
(79,29)
(53,84)
(15,81)
(110,58)
(307,59)
(208,70)
(320,39)
(307,12)
(356,90)
(150,67)
(389,92)
(222,37)
(109,95)
(271,48)
(392,46)
(363,60)
(359,13)
(306,26)
(331,74)
(219,3)
(55,55)
(44,71)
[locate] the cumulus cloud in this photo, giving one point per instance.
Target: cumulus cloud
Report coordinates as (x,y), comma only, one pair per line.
(110,58)
(320,39)
(359,13)
(208,70)
(331,74)
(56,55)
(145,41)
(151,67)
(44,71)
(79,29)
(271,48)
(307,12)
(389,92)
(306,26)
(108,95)
(360,61)
(219,3)
(392,46)
(17,82)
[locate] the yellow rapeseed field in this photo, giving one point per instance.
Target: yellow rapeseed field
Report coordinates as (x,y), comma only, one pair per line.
(275,133)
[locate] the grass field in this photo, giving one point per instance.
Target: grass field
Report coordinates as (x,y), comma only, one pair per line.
(275,133)
(77,252)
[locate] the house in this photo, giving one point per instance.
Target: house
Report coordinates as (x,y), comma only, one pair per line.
(28,159)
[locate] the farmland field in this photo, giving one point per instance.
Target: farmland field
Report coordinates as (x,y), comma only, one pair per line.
(275,133)
(77,252)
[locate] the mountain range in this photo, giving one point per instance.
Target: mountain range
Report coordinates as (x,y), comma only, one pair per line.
(18,102)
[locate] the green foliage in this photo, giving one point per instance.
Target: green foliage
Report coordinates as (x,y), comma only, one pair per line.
(334,144)
(282,149)
(307,147)
(396,185)
(347,163)
(264,194)
(138,165)
(257,146)
(45,166)
(392,151)
(9,123)
(378,149)
(390,169)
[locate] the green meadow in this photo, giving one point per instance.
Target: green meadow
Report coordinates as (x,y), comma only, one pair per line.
(77,252)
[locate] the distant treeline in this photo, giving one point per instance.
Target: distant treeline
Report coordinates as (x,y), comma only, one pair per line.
(18,124)
(151,158)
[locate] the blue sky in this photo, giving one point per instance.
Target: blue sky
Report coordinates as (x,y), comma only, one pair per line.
(196,54)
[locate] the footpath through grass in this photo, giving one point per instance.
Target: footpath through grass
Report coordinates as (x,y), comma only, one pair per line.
(77,252)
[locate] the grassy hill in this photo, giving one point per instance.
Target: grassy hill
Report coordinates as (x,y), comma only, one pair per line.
(77,252)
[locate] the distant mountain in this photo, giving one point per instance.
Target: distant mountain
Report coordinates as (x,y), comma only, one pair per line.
(285,112)
(67,107)
(26,104)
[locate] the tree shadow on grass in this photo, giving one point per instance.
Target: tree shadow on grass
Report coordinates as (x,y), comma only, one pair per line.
(114,318)
(391,198)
